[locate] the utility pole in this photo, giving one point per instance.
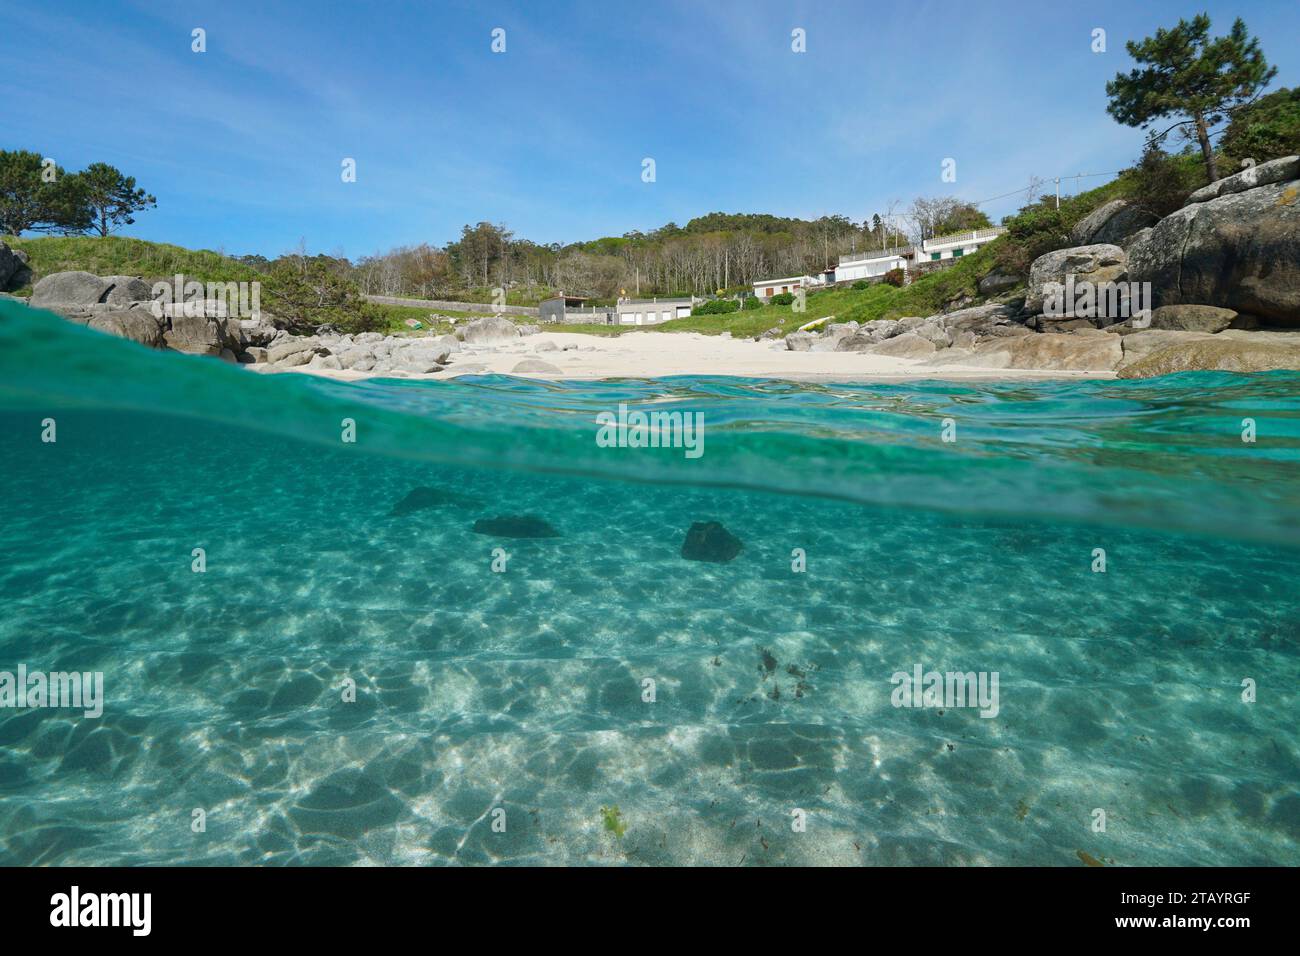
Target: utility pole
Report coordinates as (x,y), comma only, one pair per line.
(1058,192)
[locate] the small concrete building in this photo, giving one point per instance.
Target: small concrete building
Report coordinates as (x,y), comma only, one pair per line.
(766,288)
(570,309)
(652,311)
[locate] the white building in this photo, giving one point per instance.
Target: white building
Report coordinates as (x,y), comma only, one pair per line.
(872,265)
(957,244)
(767,288)
(652,311)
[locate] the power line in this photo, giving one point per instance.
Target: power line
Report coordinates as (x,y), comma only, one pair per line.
(1055,179)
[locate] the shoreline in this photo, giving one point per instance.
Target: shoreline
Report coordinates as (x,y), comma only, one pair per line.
(578,357)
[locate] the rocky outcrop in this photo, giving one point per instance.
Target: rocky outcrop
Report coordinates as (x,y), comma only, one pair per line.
(1239,251)
(1281,170)
(1097,263)
(14,271)
(1088,351)
(1112,224)
(1231,351)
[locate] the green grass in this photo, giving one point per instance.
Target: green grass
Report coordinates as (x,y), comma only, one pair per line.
(586,328)
(395,316)
(118,255)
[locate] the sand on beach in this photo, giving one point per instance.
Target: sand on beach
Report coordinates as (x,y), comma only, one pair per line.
(660,354)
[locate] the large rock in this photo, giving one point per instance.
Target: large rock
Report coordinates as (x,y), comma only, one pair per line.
(197,335)
(1274,171)
(259,332)
(1087,351)
(1189,318)
(868,335)
(1097,263)
(1111,223)
(294,352)
(138,325)
(908,345)
(65,290)
(1228,352)
(1240,251)
(490,330)
(126,290)
(14,271)
(800,341)
(980,320)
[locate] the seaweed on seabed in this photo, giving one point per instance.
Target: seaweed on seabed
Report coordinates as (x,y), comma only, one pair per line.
(612,817)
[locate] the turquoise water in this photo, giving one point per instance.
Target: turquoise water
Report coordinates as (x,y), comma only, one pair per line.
(522,691)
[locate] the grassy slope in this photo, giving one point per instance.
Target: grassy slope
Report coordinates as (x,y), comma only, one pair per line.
(118,255)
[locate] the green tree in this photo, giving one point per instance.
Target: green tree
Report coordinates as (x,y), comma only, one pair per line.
(310,292)
(38,196)
(111,197)
(1188,75)
(1267,129)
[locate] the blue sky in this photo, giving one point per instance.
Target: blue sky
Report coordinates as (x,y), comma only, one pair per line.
(242,144)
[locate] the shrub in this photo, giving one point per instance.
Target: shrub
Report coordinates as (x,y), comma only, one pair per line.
(716,307)
(894,277)
(1161,183)
(861,284)
(782,298)
(1266,130)
(752,303)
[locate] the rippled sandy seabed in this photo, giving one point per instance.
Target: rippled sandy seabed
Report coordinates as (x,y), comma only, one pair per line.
(523,691)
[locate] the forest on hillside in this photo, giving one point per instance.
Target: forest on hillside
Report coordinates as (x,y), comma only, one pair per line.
(710,253)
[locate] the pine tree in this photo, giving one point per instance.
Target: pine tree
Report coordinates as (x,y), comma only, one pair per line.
(112,197)
(1189,75)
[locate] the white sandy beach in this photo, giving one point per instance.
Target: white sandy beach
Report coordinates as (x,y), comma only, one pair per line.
(660,354)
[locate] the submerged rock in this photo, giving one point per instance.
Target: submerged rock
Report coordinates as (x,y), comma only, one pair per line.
(422,498)
(710,541)
(515,526)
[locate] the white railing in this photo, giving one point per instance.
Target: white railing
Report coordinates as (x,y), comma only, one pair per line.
(956,238)
(861,257)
